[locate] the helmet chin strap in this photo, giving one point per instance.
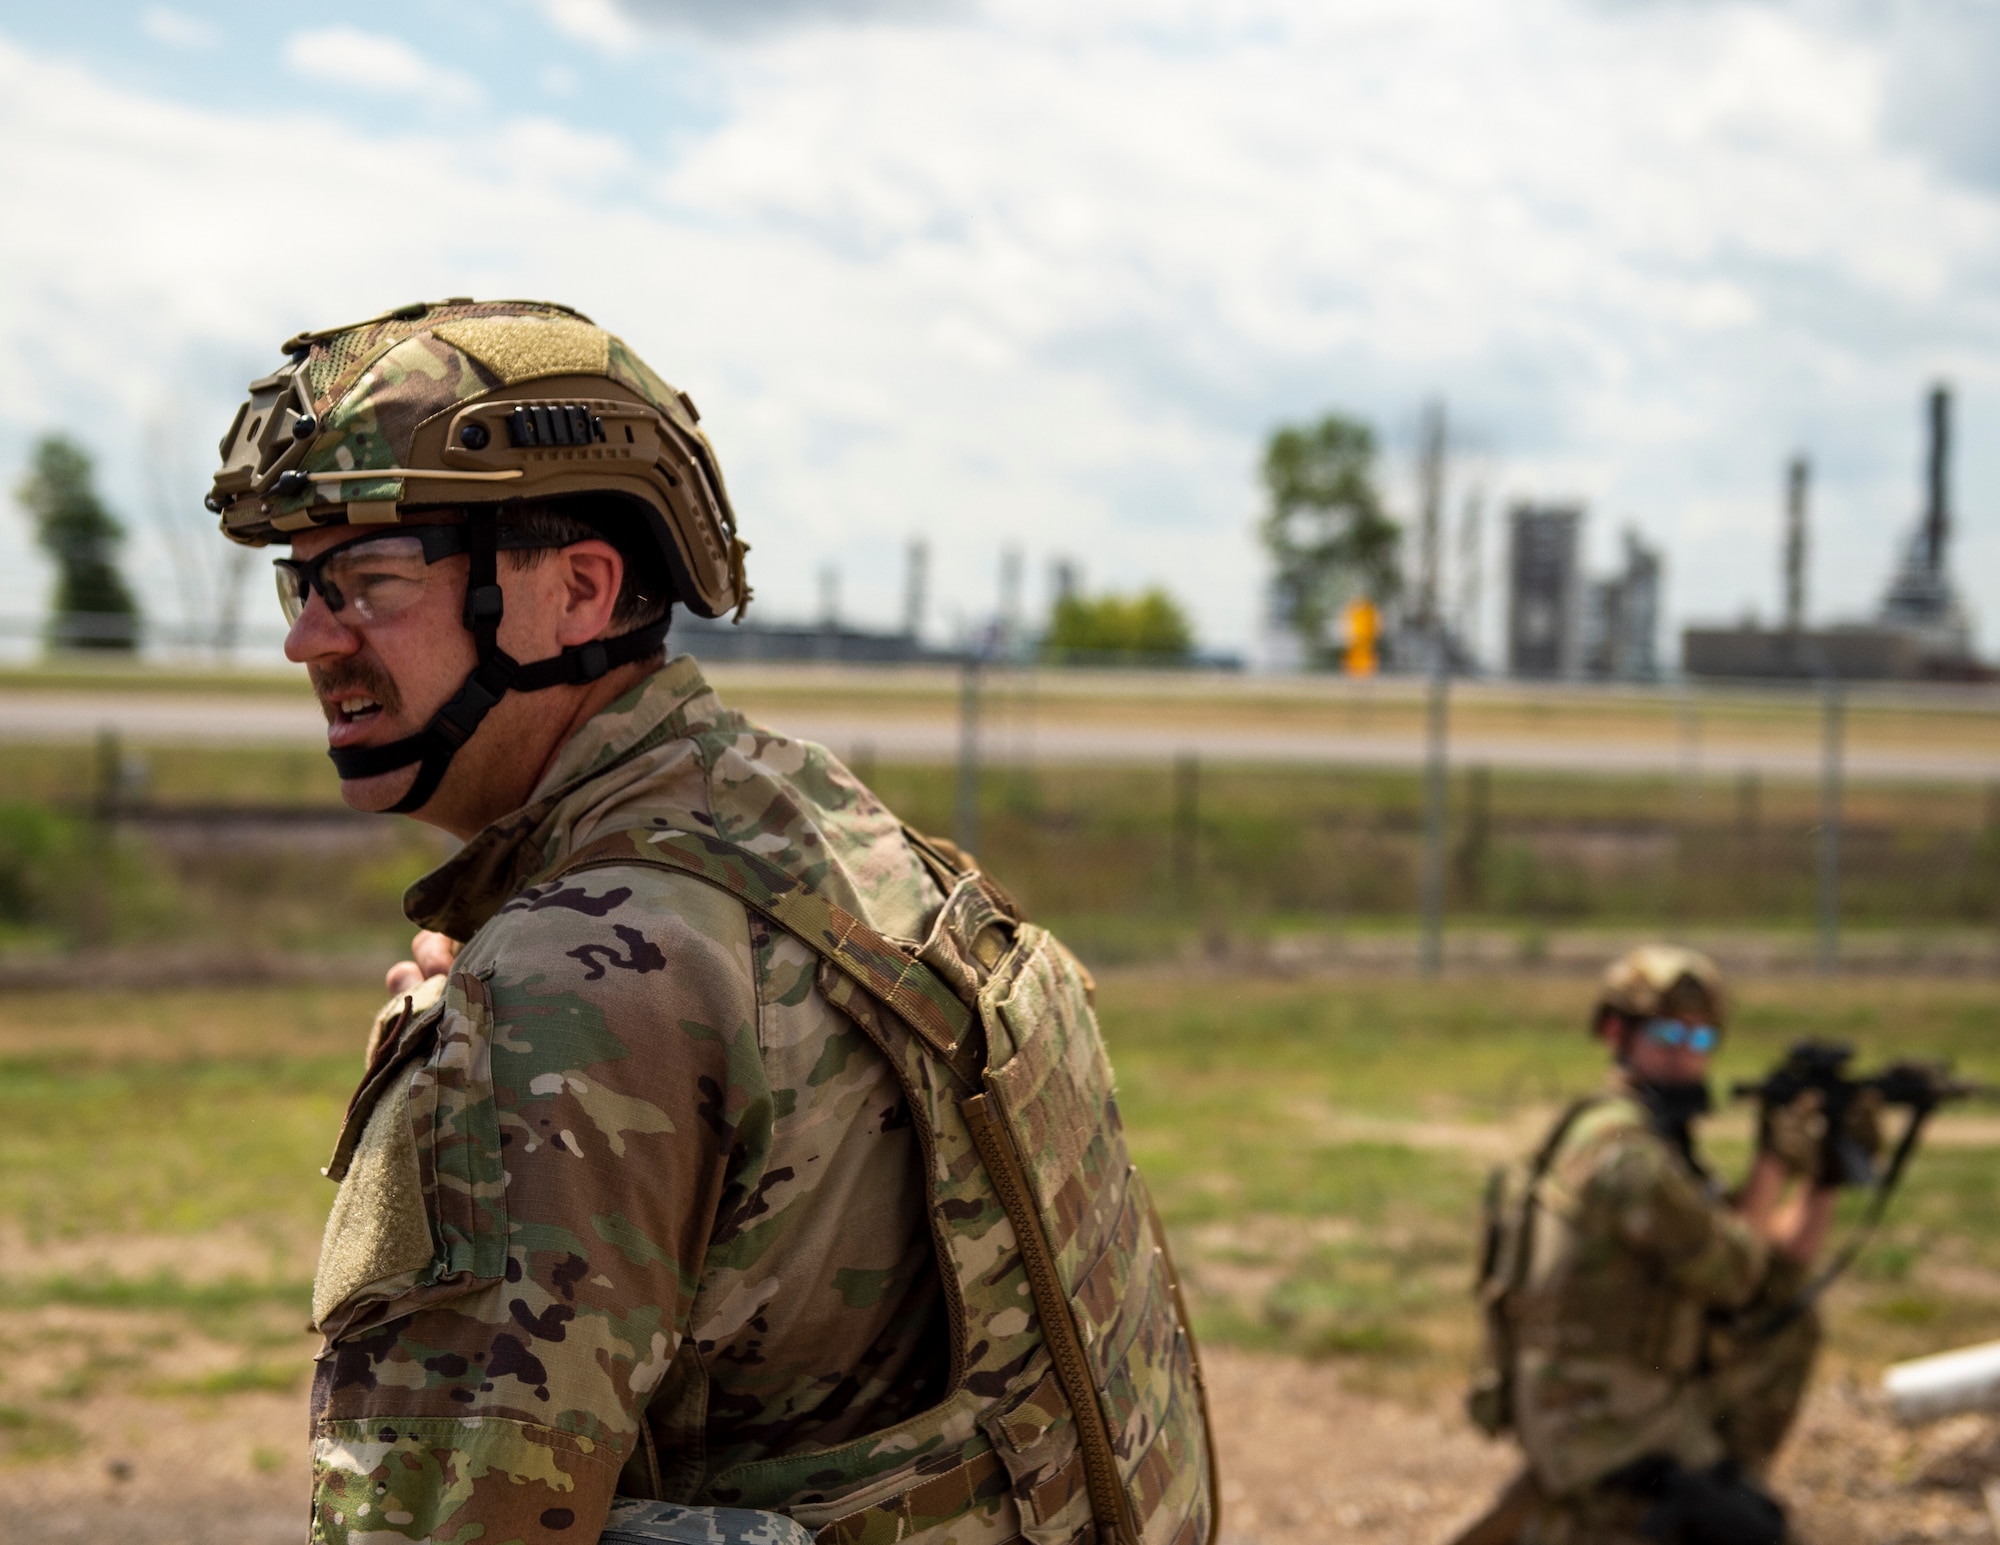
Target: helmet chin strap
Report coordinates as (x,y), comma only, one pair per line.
(496,674)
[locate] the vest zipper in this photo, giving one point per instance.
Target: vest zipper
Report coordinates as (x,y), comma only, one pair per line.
(1108,1502)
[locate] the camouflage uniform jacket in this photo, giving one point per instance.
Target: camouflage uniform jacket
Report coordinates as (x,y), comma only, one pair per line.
(1631,1252)
(628,1195)
(654,1198)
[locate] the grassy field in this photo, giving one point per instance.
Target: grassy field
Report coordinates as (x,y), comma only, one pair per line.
(1317,1149)
(1132,863)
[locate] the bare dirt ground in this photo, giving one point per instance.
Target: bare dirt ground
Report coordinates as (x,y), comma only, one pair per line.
(1307,1459)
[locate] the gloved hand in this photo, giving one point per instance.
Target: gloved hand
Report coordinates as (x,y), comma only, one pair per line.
(1795,1133)
(1859,1138)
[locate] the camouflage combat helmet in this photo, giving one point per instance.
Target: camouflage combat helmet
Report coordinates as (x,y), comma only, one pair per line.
(472,405)
(1661,979)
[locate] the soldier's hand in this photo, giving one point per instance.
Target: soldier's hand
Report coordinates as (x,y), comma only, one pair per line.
(1795,1133)
(1861,1125)
(431,954)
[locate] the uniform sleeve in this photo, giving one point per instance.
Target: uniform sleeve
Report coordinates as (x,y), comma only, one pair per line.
(1661,1211)
(593,1092)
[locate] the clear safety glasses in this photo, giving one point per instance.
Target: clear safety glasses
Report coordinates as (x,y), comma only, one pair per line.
(379,576)
(1671,1032)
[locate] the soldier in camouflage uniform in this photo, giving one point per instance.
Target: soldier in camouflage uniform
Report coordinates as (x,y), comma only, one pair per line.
(732,1164)
(1648,1346)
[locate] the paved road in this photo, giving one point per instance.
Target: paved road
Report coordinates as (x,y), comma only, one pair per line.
(192,719)
(937,741)
(161,719)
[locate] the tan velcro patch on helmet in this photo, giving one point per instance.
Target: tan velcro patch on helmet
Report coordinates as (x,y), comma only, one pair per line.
(1653,980)
(526,348)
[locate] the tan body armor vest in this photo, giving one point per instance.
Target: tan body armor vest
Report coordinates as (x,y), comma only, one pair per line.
(1074,1386)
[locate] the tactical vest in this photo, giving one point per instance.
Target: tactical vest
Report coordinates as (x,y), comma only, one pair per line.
(1507,1243)
(1074,1385)
(1531,1216)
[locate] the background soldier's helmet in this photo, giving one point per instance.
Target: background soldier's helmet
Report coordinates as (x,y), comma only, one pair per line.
(1661,979)
(470,404)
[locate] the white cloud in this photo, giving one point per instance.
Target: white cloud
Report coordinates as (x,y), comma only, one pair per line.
(177,28)
(1046,276)
(376,63)
(1647,252)
(619,25)
(602,23)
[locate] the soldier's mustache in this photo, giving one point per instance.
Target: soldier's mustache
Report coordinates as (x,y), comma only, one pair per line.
(332,682)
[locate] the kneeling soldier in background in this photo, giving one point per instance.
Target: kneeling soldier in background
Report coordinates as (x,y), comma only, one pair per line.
(1649,1338)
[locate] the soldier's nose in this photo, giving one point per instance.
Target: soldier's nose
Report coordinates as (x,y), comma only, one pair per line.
(318,634)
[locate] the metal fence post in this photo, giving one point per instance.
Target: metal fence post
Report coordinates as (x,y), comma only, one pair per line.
(94,921)
(1749,870)
(1832,712)
(1685,834)
(1475,837)
(965,817)
(1187,825)
(1431,956)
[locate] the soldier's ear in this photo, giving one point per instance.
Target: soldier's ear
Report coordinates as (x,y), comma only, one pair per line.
(592,572)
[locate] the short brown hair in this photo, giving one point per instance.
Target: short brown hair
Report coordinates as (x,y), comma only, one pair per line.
(539,526)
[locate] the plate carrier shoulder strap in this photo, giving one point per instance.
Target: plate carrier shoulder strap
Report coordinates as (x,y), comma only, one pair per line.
(1002,1015)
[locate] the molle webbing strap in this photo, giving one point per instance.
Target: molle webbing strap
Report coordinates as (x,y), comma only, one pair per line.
(1531,1194)
(1538,1172)
(948,864)
(941,1497)
(917,994)
(907,987)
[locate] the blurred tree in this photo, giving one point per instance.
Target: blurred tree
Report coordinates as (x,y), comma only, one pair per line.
(1326,529)
(1149,625)
(94,608)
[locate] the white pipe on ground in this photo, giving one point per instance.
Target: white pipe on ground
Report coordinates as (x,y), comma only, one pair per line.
(1929,1387)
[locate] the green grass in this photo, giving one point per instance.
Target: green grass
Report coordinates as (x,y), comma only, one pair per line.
(33,1436)
(1109,853)
(1317,1148)
(249,1379)
(168,1149)
(161,1291)
(1239,1095)
(69,775)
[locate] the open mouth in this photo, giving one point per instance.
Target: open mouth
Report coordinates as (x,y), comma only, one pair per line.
(355,708)
(355,699)
(351,717)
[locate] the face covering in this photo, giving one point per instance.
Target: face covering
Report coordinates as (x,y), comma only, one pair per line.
(1674,1107)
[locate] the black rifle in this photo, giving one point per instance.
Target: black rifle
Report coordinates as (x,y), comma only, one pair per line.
(1916,1087)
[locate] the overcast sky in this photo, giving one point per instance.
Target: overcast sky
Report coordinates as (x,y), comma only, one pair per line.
(1044,274)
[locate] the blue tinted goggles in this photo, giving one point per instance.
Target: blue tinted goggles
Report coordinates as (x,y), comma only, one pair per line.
(1671,1032)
